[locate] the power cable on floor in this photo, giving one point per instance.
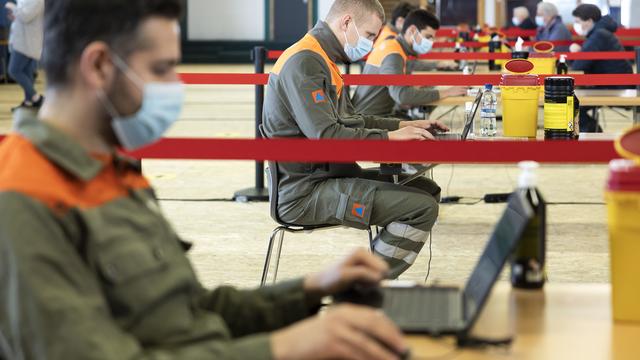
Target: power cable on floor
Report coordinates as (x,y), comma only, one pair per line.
(196,200)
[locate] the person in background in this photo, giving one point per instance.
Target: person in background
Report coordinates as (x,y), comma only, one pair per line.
(4,36)
(306,98)
(522,19)
(394,26)
(599,32)
(391,57)
(551,27)
(25,44)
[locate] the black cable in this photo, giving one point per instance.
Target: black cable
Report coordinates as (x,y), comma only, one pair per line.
(450,178)
(576,203)
(430,256)
(197,200)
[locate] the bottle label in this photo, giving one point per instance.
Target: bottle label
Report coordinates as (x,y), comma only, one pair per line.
(556,116)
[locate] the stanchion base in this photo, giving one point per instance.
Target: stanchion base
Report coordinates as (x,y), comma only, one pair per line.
(251,195)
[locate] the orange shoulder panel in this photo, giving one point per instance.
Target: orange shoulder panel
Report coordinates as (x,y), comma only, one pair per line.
(386,48)
(308,42)
(384,34)
(26,170)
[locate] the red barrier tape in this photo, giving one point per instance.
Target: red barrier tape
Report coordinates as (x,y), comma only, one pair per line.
(477,80)
(515,32)
(224,79)
(478,44)
(609,55)
(594,152)
(480,152)
(275,54)
(408,80)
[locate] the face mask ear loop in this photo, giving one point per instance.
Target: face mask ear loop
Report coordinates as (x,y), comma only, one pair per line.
(122,65)
(108,106)
(414,37)
(346,38)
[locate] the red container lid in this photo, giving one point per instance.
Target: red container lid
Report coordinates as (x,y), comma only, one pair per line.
(628,145)
(519,80)
(519,66)
(538,55)
(543,46)
(624,175)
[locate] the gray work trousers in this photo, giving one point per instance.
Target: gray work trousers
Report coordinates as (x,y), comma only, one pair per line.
(405,212)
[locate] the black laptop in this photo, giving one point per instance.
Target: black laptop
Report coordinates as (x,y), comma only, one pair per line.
(451,310)
(467,124)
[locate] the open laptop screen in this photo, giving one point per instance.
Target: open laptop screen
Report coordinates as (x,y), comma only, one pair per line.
(502,243)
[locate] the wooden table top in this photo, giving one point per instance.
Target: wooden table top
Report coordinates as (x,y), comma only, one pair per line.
(565,321)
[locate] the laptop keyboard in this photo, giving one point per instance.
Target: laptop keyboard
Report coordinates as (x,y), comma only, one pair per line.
(424,309)
(448,136)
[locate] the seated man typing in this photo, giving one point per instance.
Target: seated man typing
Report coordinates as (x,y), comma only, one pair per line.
(392,57)
(306,98)
(89,266)
(394,26)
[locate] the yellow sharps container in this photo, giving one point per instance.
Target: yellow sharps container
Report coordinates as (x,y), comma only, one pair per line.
(623,207)
(520,95)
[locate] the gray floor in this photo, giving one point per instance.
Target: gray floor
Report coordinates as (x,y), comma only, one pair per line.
(230,238)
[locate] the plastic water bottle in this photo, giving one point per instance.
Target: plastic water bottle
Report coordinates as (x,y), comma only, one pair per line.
(528,260)
(461,49)
(488,107)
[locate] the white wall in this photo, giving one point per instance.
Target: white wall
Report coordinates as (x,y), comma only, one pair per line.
(226,19)
(323,8)
(630,10)
(490,12)
(565,8)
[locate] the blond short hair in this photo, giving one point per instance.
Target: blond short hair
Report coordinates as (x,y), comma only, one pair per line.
(359,8)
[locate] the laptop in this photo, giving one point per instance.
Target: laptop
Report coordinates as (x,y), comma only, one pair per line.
(467,124)
(451,310)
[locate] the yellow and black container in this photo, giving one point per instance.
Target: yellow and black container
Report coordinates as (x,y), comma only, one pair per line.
(561,107)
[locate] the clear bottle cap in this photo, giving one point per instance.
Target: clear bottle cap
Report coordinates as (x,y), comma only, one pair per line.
(528,177)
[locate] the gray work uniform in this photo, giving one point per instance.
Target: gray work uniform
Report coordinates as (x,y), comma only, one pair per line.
(391,57)
(305,99)
(91,269)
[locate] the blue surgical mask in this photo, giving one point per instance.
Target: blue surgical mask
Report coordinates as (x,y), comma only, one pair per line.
(539,21)
(515,21)
(423,47)
(161,107)
(362,48)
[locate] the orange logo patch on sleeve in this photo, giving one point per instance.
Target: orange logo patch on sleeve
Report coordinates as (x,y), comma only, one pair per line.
(319,96)
(358,210)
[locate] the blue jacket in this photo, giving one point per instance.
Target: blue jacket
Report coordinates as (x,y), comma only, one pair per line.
(601,38)
(555,31)
(4,21)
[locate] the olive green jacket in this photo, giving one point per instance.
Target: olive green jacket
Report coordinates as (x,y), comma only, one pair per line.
(386,60)
(306,98)
(91,269)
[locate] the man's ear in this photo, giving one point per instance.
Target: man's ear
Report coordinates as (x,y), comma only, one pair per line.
(412,30)
(96,66)
(345,20)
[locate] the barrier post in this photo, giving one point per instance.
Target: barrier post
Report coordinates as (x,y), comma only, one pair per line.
(259,192)
(636,109)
